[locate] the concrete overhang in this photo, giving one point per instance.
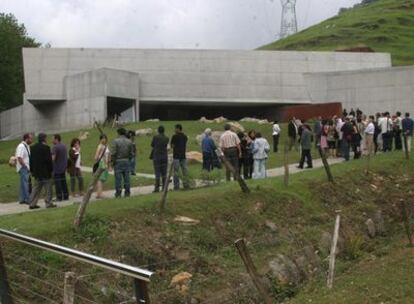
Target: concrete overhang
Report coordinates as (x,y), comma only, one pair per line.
(219,102)
(39,100)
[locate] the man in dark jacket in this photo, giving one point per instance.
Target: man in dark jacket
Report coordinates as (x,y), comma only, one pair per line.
(179,146)
(159,156)
(121,154)
(306,144)
(292,133)
(407,130)
(347,131)
(41,167)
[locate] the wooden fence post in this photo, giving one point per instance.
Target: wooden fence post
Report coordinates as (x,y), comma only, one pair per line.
(286,164)
(141,292)
(229,167)
(87,197)
(251,269)
(406,219)
(407,153)
(333,251)
(325,164)
(163,201)
(5,292)
(69,288)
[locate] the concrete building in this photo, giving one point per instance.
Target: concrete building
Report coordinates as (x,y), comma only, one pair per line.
(71,88)
(373,90)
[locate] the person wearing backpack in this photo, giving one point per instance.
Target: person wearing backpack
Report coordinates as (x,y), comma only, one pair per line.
(22,159)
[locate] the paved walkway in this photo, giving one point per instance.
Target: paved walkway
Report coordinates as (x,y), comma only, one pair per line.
(15,208)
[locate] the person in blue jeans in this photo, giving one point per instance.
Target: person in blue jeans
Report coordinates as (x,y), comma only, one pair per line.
(133,160)
(347,131)
(179,146)
(121,154)
(23,167)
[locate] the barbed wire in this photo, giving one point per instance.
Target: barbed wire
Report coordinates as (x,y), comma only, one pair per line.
(34,263)
(34,293)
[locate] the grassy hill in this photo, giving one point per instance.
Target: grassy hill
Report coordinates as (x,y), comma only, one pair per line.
(384,26)
(272,218)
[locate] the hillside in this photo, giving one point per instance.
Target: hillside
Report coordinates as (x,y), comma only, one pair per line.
(273,219)
(384,26)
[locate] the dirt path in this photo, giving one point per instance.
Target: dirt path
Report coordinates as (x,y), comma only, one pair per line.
(15,208)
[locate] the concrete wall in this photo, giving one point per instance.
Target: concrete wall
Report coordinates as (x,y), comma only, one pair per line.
(67,88)
(194,75)
(373,91)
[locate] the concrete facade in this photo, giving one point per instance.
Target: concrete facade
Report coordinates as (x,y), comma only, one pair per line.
(70,88)
(375,90)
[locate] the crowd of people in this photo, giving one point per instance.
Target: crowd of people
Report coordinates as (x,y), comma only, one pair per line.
(246,152)
(49,166)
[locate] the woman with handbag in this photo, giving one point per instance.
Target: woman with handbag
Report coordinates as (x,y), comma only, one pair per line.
(102,161)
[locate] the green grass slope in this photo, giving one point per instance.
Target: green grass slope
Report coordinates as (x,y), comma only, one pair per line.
(132,231)
(384,26)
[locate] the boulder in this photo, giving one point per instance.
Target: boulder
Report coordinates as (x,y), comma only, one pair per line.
(186,220)
(205,120)
(194,157)
(236,127)
(284,270)
(379,222)
(144,132)
(259,121)
(83,135)
(272,226)
(181,281)
(370,228)
(220,119)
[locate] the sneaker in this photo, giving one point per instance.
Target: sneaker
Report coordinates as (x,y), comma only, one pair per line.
(34,207)
(51,206)
(24,203)
(299,167)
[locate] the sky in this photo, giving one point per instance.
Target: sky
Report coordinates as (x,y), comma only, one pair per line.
(203,24)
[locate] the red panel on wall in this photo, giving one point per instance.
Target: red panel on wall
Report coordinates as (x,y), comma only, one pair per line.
(306,112)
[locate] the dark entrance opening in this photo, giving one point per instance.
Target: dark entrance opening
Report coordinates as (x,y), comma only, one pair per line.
(194,112)
(122,108)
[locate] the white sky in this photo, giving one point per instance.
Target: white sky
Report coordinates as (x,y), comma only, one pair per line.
(206,24)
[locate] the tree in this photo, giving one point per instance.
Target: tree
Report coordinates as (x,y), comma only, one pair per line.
(13,37)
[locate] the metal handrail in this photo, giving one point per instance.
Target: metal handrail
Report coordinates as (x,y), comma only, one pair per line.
(134,272)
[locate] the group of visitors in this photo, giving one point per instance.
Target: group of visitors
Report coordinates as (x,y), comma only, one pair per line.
(159,155)
(50,165)
(246,152)
(362,134)
(47,166)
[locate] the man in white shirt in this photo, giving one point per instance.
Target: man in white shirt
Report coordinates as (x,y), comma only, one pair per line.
(276,134)
(23,167)
(369,136)
(230,145)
